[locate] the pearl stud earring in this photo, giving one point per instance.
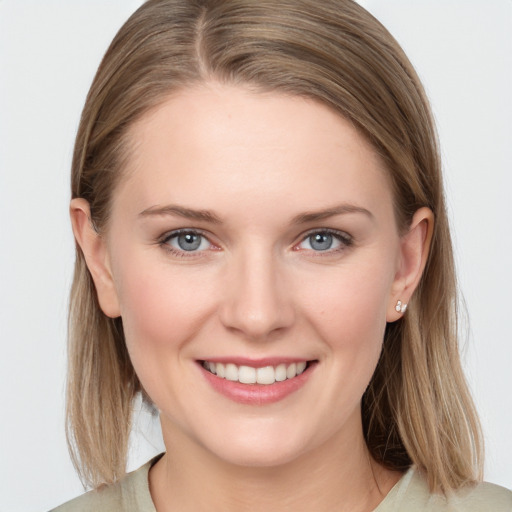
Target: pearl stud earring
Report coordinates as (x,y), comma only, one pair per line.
(400,308)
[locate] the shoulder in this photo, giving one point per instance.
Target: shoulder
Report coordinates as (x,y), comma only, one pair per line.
(411,494)
(131,494)
(482,497)
(101,500)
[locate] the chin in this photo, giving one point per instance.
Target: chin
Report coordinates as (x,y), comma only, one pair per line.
(262,446)
(258,456)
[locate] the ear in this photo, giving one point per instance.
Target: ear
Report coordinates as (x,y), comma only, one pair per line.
(414,250)
(94,248)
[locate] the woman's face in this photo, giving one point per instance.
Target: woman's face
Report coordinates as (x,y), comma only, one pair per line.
(253,235)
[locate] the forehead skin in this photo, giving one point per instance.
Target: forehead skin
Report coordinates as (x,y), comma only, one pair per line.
(223,127)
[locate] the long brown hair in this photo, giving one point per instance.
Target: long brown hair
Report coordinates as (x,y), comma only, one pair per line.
(417,408)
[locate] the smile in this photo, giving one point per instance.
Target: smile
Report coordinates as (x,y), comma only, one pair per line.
(266,375)
(257,382)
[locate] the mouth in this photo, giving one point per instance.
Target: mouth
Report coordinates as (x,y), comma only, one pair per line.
(263,375)
(257,383)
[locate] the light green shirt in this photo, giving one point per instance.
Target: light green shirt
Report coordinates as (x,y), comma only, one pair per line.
(410,494)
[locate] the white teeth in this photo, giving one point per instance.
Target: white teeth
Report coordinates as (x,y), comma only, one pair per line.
(246,375)
(281,373)
(249,375)
(221,370)
(266,375)
(231,372)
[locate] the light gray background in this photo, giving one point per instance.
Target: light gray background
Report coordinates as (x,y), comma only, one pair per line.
(48,54)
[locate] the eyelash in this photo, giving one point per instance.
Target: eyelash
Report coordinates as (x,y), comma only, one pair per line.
(165,239)
(345,240)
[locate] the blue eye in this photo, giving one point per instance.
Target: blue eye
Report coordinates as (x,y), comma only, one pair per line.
(188,241)
(323,241)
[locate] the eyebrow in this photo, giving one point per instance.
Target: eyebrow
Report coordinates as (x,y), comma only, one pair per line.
(208,216)
(306,217)
(181,211)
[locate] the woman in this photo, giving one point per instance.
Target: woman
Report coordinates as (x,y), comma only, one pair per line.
(263,253)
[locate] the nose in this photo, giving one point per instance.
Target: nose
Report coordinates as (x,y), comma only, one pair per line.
(256,302)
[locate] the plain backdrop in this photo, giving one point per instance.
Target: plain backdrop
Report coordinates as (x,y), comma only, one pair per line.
(48,54)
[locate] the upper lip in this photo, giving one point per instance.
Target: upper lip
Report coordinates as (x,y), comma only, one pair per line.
(256,363)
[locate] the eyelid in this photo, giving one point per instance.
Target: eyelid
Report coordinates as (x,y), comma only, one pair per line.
(342,236)
(164,239)
(181,231)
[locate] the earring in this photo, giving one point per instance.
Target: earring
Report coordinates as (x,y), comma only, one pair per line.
(400,308)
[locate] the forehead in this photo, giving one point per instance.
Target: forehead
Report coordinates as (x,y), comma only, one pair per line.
(214,138)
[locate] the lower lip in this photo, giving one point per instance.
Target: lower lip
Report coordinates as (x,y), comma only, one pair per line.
(257,394)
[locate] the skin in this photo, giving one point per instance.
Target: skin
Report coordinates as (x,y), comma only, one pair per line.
(255,288)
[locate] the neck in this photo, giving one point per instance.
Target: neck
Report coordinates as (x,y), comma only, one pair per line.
(339,475)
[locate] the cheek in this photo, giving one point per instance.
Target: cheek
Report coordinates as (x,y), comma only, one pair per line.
(349,309)
(160,308)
